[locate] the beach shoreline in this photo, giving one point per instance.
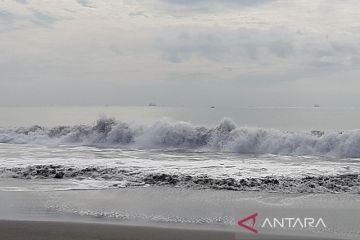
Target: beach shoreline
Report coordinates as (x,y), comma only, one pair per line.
(156,212)
(37,230)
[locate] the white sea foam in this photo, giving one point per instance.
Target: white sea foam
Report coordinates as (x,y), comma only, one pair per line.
(167,134)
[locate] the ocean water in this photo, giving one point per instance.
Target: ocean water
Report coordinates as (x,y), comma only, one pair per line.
(291,150)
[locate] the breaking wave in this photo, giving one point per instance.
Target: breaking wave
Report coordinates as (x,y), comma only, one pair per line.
(341,183)
(166,134)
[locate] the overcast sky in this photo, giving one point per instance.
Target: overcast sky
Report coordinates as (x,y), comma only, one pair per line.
(180,52)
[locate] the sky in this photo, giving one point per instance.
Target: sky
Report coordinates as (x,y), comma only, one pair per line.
(180,52)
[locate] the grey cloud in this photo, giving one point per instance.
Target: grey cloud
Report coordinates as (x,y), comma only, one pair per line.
(226,46)
(332,53)
(185,46)
(138,13)
(42,18)
(22,1)
(190,7)
(190,3)
(180,7)
(230,52)
(85,3)
(10,21)
(259,46)
(6,17)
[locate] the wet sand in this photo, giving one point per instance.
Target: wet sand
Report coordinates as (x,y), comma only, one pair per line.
(45,230)
(167,213)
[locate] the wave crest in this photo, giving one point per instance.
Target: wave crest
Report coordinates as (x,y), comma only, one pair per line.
(164,134)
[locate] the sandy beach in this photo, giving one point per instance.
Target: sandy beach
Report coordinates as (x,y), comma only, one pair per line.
(38,230)
(168,213)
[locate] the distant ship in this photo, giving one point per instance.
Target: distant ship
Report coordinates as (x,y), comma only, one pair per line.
(212,107)
(316,105)
(152,105)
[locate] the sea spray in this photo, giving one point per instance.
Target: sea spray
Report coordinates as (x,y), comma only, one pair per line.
(168,134)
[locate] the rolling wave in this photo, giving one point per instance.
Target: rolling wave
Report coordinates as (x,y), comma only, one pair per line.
(166,134)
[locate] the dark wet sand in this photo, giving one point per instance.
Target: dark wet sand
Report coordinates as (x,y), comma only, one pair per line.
(46,230)
(168,213)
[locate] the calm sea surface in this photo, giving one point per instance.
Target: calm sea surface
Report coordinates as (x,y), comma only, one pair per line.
(278,118)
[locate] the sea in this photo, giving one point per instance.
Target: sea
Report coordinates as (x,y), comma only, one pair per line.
(302,150)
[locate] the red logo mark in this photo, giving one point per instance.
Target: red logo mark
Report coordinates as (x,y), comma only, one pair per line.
(253,217)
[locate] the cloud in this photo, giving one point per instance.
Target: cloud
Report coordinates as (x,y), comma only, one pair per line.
(197,8)
(85,3)
(261,46)
(22,1)
(209,5)
(232,45)
(42,18)
(220,45)
(191,3)
(6,17)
